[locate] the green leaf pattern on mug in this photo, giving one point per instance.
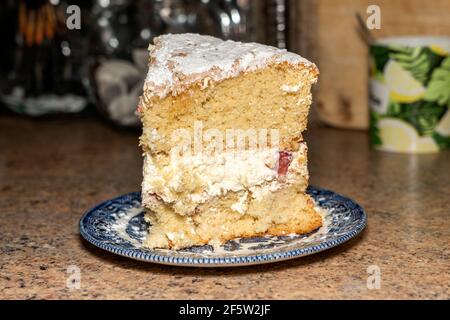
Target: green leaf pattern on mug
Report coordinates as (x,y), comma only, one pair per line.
(418,61)
(439,87)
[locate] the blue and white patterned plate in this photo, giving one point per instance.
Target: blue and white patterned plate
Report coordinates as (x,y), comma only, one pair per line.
(118,226)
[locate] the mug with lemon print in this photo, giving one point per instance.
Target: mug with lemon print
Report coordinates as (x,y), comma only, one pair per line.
(410,94)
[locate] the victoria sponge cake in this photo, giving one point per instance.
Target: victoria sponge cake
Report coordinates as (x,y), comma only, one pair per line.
(224,155)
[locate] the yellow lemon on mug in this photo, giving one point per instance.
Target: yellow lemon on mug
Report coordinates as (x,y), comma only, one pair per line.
(443,128)
(397,135)
(442,50)
(403,87)
(400,136)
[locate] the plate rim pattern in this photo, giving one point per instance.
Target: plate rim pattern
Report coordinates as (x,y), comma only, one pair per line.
(152,256)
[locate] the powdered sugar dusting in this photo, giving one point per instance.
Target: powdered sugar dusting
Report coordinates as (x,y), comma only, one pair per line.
(179,60)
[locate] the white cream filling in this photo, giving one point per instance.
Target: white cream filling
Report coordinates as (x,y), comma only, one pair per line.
(216,175)
(202,177)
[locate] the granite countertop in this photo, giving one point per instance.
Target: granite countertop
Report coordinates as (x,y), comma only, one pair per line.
(53,170)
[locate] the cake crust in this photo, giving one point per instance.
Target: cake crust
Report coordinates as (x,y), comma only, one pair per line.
(179,61)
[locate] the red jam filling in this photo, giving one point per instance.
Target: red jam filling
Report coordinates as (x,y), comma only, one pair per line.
(284,161)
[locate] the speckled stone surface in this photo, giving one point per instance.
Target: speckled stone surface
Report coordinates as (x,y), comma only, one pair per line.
(53,170)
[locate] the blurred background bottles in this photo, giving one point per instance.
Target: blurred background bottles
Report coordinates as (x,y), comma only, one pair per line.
(123,29)
(48,68)
(43,73)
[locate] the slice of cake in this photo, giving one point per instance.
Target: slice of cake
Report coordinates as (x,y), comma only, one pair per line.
(222,141)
